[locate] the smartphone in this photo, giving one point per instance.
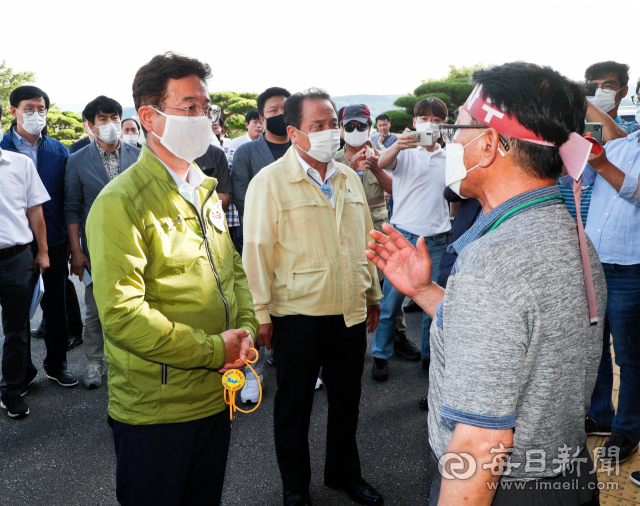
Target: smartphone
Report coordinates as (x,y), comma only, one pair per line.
(595,129)
(589,89)
(421,138)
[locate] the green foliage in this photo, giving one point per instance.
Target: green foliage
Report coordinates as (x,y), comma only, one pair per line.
(234,106)
(9,81)
(400,120)
(64,126)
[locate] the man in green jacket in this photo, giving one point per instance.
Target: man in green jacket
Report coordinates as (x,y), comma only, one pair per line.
(172,295)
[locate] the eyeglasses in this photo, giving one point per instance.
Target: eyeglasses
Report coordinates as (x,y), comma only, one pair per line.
(606,87)
(195,111)
(360,126)
(635,99)
(30,110)
(274,112)
(450,132)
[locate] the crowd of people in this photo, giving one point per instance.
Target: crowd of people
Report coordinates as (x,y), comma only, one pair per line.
(517,236)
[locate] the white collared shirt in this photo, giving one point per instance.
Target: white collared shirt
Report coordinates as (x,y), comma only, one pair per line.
(188,189)
(20,189)
(332,170)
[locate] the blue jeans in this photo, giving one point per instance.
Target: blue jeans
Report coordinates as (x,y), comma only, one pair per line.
(382,346)
(622,321)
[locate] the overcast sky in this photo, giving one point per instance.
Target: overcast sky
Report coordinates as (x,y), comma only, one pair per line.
(82,49)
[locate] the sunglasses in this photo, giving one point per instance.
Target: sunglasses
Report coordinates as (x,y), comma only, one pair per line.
(350,127)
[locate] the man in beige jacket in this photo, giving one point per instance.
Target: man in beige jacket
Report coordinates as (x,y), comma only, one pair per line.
(306,228)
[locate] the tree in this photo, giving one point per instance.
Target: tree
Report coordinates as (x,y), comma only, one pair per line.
(453,90)
(234,106)
(9,81)
(64,126)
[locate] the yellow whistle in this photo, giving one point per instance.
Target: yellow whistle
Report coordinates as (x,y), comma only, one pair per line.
(233,380)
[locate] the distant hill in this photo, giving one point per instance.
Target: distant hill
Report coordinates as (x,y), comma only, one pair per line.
(377,103)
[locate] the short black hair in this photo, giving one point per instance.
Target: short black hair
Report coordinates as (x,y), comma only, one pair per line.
(383,117)
(269,93)
(341,114)
(220,122)
(251,115)
(27,92)
(431,106)
(150,83)
(293,105)
(102,104)
(543,101)
(606,68)
(130,119)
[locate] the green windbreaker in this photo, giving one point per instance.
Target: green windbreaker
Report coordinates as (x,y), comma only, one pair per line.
(163,296)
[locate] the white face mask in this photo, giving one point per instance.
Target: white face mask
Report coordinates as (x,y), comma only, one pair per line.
(429,127)
(455,170)
(185,138)
(33,123)
(324,144)
(356,138)
(604,100)
(109,133)
(130,139)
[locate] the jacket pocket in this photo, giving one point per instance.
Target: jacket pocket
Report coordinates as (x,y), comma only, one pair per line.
(310,279)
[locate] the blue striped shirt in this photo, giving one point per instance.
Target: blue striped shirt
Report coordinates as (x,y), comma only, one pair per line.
(570,202)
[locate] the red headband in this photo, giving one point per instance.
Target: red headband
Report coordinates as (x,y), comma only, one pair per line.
(574,152)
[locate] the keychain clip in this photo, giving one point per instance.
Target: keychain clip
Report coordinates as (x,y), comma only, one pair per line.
(233,380)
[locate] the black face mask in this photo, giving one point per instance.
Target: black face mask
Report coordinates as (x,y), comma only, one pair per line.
(276,125)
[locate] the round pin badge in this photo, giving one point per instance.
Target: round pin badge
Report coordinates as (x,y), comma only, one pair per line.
(233,380)
(326,189)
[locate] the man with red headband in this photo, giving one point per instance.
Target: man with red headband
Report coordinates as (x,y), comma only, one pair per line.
(516,337)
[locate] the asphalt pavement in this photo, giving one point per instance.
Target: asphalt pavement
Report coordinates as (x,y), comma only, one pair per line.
(62,453)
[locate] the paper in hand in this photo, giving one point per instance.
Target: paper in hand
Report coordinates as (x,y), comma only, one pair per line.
(38,292)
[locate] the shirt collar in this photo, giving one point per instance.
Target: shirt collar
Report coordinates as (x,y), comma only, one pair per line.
(432,153)
(103,151)
(332,168)
(481,226)
(18,139)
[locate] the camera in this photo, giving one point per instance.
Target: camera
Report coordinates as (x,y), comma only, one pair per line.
(422,138)
(589,89)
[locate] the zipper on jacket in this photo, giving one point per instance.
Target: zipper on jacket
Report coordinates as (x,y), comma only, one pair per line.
(164,375)
(203,226)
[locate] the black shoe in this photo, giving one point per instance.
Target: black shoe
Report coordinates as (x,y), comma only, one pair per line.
(635,477)
(617,445)
(292,499)
(412,307)
(359,491)
(405,348)
(593,428)
(29,378)
(379,371)
(63,378)
(38,333)
(15,406)
(423,404)
(74,341)
(426,362)
(271,360)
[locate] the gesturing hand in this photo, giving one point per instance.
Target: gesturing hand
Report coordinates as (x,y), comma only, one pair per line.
(237,343)
(408,269)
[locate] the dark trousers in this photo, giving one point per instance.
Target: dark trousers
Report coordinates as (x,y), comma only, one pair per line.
(173,464)
(74,317)
(54,311)
(17,280)
(301,346)
(237,237)
(622,321)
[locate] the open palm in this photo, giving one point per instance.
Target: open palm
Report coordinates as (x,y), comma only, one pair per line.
(408,269)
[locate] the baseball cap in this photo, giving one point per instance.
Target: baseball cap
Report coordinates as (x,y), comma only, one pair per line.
(358,112)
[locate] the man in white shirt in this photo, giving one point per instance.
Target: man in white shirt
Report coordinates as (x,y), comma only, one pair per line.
(254,127)
(21,196)
(419,209)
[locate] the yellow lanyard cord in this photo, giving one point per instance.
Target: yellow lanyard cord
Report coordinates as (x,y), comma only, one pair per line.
(233,380)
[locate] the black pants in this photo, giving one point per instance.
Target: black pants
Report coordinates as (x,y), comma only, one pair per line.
(237,238)
(54,311)
(173,464)
(17,280)
(301,345)
(74,317)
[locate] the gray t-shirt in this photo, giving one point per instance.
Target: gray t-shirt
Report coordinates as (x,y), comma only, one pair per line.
(513,346)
